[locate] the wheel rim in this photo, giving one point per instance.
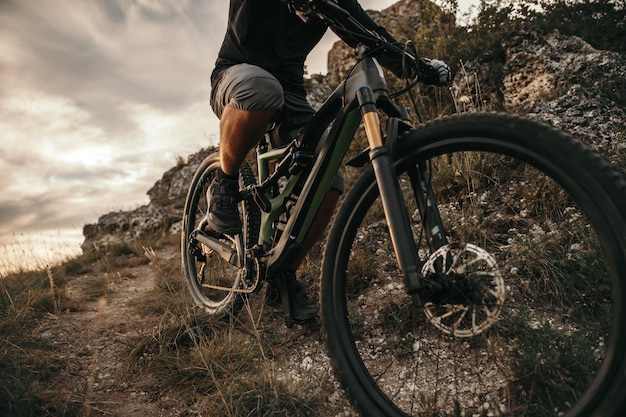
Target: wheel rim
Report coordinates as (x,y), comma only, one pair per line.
(540,347)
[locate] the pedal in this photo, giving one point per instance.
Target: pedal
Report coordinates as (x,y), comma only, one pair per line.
(260,200)
(215,242)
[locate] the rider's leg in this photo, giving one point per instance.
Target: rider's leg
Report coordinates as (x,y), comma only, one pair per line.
(246,99)
(302,309)
(240,131)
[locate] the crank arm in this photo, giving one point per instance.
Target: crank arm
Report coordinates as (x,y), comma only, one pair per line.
(226,252)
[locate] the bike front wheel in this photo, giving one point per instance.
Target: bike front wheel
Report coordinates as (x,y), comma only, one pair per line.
(536,231)
(217,274)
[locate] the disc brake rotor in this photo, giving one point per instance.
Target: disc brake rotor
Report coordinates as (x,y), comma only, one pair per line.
(483,276)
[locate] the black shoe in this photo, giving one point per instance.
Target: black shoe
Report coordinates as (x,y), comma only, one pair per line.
(223,214)
(302,309)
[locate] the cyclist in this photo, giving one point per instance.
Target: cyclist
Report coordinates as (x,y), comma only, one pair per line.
(258,80)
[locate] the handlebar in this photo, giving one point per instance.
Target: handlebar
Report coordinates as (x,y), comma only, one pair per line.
(402,59)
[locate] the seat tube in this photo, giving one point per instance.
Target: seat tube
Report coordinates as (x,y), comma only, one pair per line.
(395,211)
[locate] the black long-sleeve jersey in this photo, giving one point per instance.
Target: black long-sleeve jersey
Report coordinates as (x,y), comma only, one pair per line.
(265,33)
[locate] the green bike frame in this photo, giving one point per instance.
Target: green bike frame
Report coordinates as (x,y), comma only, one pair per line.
(356,100)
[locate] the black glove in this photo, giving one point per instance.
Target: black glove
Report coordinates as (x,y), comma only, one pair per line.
(434,72)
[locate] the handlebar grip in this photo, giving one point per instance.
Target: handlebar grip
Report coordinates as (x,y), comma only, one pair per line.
(434,72)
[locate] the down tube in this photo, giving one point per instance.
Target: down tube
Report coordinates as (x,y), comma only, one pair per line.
(342,143)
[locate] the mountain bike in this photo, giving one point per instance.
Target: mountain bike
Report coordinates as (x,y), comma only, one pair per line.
(476,266)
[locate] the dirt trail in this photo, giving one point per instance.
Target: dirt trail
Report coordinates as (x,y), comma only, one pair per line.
(94,342)
(97,375)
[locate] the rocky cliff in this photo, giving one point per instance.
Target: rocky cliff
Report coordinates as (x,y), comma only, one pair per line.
(557,79)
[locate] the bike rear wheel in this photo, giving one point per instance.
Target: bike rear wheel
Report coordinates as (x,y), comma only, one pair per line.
(537,235)
(213,282)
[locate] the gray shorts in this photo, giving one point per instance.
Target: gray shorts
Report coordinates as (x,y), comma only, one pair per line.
(249,87)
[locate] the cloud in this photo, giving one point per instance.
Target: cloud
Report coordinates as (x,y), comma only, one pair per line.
(96,100)
(102,54)
(55,162)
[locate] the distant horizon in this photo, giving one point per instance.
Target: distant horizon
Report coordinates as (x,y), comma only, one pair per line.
(38,250)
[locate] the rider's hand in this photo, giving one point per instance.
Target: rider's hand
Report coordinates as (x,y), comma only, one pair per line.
(434,72)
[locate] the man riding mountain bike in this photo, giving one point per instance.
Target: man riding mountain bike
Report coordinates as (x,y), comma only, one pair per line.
(258,81)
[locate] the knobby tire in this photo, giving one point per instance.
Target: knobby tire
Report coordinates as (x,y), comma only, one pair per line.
(537,228)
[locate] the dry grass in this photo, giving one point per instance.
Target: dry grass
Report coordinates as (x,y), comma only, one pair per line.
(226,361)
(28,361)
(217,367)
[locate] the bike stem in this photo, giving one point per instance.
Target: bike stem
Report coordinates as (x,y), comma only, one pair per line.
(393,204)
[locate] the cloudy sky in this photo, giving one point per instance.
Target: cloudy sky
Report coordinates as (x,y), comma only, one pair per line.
(97,98)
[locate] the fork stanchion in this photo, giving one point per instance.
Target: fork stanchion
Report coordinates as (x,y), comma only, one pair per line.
(391,196)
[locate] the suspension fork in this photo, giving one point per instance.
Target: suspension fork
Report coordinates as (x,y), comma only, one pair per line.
(427,206)
(393,205)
